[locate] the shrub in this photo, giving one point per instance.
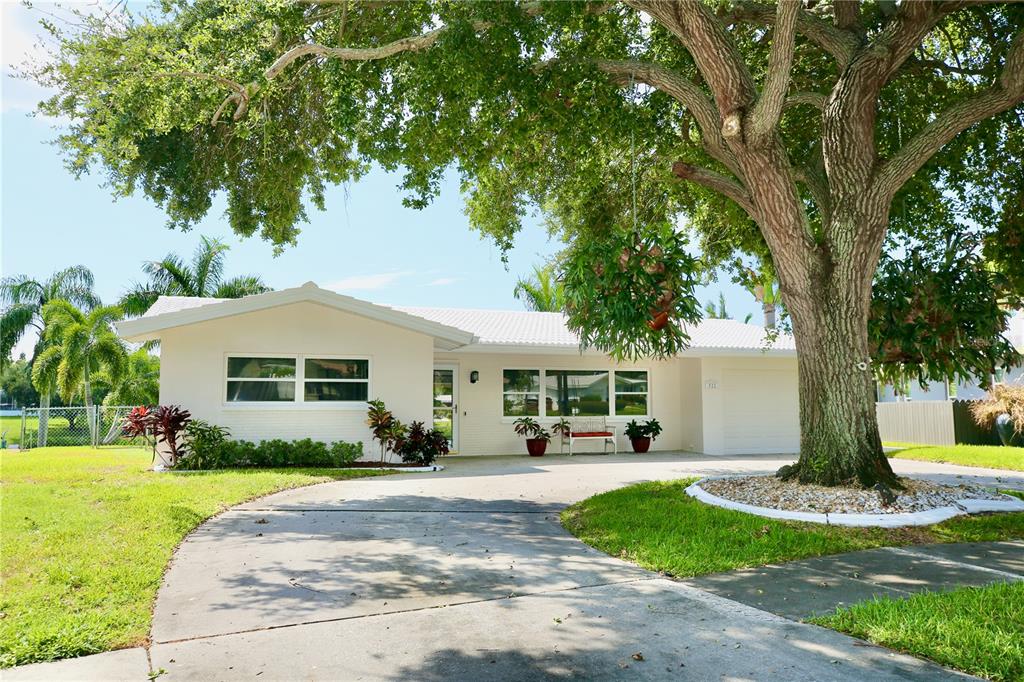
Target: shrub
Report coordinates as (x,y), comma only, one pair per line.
(421,447)
(1002,399)
(168,423)
(387,430)
(212,450)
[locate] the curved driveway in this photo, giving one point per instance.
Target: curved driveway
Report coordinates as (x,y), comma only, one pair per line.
(467,574)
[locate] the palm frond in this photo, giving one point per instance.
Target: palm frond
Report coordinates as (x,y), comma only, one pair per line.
(58,315)
(21,290)
(208,265)
(44,369)
(542,292)
(103,317)
(170,276)
(138,299)
(14,321)
(237,287)
(74,284)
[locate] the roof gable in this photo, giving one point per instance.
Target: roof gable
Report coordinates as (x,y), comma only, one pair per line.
(176,311)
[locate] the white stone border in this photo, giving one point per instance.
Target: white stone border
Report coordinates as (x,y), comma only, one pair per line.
(921,518)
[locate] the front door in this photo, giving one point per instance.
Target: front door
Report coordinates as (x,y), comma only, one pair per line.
(446,403)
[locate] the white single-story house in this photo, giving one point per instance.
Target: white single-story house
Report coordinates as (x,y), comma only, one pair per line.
(302,362)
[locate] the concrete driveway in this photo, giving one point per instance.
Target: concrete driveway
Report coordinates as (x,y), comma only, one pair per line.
(467,574)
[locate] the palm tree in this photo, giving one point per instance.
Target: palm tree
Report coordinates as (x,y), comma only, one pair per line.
(79,345)
(542,292)
(139,383)
(718,312)
(203,277)
(23,299)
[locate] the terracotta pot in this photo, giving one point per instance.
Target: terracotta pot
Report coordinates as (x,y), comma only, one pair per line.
(536,446)
(641,444)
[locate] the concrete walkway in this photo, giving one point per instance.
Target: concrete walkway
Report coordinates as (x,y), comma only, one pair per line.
(812,587)
(466,574)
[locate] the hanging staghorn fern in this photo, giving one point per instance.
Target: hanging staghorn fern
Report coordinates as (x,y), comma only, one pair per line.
(630,293)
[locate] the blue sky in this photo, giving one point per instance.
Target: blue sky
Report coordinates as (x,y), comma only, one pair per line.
(365,244)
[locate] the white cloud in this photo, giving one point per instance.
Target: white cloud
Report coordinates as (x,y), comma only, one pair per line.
(442,281)
(380,280)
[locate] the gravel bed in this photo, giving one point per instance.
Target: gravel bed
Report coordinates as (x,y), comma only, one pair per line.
(768,491)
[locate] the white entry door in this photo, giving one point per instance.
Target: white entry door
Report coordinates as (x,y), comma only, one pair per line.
(446,403)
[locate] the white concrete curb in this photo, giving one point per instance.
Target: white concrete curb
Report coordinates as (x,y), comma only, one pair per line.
(921,518)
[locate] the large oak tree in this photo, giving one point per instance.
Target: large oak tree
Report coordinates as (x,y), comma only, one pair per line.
(804,133)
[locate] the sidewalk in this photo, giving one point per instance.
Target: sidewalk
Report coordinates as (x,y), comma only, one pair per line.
(799,590)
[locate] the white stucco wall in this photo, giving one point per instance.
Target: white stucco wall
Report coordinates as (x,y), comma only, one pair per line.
(484,431)
(192,371)
(750,405)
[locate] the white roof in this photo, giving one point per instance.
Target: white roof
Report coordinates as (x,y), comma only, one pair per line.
(482,330)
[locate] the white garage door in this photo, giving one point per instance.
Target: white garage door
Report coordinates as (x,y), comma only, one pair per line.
(761,410)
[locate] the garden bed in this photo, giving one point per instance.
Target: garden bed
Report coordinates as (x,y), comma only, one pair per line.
(919,503)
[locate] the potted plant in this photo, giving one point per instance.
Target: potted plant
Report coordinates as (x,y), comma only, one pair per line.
(537,438)
(641,435)
(1004,408)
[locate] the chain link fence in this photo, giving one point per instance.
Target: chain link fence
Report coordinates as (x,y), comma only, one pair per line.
(57,426)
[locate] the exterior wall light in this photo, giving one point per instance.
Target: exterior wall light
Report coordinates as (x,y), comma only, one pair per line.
(474,376)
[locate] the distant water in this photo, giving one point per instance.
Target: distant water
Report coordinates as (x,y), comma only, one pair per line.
(10,413)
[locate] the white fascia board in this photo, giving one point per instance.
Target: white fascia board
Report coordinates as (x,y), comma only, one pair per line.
(149,328)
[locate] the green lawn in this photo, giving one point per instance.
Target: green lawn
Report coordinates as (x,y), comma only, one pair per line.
(85,535)
(658,526)
(989,456)
(979,630)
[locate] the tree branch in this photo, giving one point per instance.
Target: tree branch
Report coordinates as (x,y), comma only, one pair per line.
(811,99)
(684,91)
(768,108)
(717,182)
(847,14)
(837,42)
(1008,92)
(240,96)
(713,50)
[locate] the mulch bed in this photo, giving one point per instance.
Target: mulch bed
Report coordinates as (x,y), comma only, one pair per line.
(769,491)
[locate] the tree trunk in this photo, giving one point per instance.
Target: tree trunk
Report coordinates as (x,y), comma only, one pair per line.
(90,413)
(839,439)
(769,315)
(44,419)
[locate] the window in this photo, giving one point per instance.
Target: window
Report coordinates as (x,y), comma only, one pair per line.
(261,380)
(521,392)
(575,393)
(631,393)
(297,380)
(331,379)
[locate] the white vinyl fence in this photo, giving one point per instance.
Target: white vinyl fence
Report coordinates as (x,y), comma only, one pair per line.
(96,425)
(929,422)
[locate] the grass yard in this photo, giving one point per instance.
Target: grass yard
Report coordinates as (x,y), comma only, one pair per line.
(658,526)
(979,630)
(85,535)
(988,456)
